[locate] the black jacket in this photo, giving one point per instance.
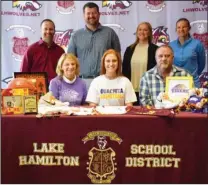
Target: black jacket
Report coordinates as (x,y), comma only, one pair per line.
(126,66)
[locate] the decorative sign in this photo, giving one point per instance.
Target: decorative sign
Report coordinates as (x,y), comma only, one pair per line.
(13,105)
(20,91)
(30,104)
(178,87)
(39,79)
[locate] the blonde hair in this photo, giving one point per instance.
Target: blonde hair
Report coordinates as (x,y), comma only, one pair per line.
(150,33)
(118,56)
(61,60)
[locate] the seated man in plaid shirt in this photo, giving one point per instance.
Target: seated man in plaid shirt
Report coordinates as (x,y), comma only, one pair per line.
(153,81)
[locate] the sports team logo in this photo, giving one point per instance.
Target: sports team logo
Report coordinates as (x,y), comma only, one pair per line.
(19,35)
(116,8)
(180,88)
(24,5)
(199,31)
(203,3)
(101,167)
(114,4)
(155,6)
(160,36)
(62,38)
(199,6)
(65,7)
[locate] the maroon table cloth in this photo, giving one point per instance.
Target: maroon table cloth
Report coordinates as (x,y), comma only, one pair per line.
(24,135)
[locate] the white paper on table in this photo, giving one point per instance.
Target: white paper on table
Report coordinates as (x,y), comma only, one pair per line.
(111,109)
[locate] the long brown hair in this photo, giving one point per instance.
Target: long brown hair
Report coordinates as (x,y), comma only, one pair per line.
(150,33)
(118,56)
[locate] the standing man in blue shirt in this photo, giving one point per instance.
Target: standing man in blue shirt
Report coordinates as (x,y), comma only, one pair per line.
(90,42)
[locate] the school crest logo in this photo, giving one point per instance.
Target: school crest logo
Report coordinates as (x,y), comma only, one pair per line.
(19,35)
(25,5)
(62,38)
(102,159)
(155,6)
(199,31)
(65,7)
(20,45)
(114,4)
(160,36)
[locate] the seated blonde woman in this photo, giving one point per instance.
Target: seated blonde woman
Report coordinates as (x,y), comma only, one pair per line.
(67,86)
(111,88)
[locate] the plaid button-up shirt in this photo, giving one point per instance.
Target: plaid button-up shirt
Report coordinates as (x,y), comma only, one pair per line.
(152,84)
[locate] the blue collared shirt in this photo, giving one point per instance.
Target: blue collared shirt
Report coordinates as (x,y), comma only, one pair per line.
(89,46)
(190,56)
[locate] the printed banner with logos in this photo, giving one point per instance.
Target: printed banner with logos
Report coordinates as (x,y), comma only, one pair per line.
(118,149)
(20,26)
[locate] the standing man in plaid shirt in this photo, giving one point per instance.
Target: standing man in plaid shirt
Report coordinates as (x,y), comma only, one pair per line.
(153,81)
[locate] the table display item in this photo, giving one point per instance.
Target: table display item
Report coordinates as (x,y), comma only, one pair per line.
(12,105)
(30,104)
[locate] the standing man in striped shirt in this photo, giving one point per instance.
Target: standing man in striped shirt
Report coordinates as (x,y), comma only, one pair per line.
(90,43)
(153,81)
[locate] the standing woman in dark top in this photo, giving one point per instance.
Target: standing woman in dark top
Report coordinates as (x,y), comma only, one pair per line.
(139,57)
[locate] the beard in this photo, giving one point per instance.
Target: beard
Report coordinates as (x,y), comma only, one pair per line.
(92,21)
(164,68)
